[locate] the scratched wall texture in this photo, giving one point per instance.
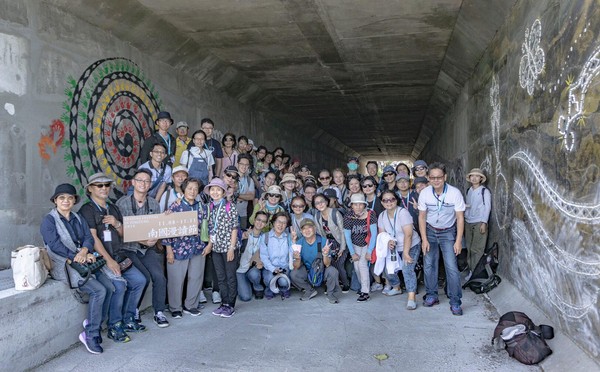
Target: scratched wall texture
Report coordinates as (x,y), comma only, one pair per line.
(530,114)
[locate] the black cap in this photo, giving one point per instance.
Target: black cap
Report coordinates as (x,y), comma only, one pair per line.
(164,115)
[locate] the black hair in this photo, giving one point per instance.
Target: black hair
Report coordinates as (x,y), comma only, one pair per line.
(228,134)
(160,144)
(261,213)
(388,191)
(279,214)
(247,157)
(207,120)
(406,166)
(191,144)
(372,162)
(142,170)
(185,184)
(438,165)
(322,196)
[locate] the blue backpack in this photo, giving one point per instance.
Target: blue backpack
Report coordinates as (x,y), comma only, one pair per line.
(317,268)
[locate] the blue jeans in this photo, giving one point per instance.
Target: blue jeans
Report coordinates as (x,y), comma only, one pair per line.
(408,271)
(136,282)
(267,276)
(393,279)
(248,282)
(151,266)
(442,241)
(97,293)
(112,308)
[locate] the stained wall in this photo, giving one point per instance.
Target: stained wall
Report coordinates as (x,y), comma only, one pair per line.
(529,117)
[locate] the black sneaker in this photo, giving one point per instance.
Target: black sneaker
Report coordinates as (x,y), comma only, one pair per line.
(85,324)
(91,343)
(132,326)
(193,311)
(117,333)
(364,297)
(345,288)
(176,314)
(137,317)
(259,295)
(161,320)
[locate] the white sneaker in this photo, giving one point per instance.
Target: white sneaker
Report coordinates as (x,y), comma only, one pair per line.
(202,299)
(376,287)
(386,289)
(216,298)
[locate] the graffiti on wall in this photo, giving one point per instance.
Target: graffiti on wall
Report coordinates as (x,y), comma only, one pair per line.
(51,140)
(501,194)
(533,59)
(110,109)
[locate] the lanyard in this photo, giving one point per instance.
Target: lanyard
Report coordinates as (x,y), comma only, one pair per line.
(255,240)
(134,206)
(390,221)
(372,206)
(167,142)
(194,206)
(103,211)
(440,202)
(217,215)
(405,203)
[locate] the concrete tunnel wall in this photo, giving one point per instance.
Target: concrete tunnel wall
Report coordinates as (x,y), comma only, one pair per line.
(55,67)
(517,118)
(529,117)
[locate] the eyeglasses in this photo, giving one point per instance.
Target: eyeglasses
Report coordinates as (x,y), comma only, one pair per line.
(388,200)
(159,152)
(244,164)
(260,220)
(367,185)
(101,185)
(273,195)
(297,205)
(388,174)
(420,168)
(280,222)
(320,201)
(436,178)
(143,181)
(325,178)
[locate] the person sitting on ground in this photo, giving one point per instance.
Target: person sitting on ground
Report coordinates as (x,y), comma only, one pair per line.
(330,224)
(147,255)
(184,255)
(198,159)
(270,206)
(311,245)
(161,171)
(174,191)
(125,286)
(249,272)
(276,254)
(360,230)
(298,206)
(397,222)
(67,238)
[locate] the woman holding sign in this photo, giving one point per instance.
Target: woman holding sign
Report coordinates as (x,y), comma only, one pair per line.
(184,255)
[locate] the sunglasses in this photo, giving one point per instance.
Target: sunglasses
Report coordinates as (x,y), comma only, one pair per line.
(388,200)
(324,178)
(367,185)
(297,205)
(388,174)
(228,139)
(420,168)
(273,196)
(101,185)
(232,175)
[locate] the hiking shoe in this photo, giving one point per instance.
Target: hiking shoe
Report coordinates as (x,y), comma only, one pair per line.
(364,297)
(345,288)
(376,287)
(332,299)
(131,325)
(259,295)
(411,305)
(227,312)
(202,298)
(117,333)
(430,301)
(138,316)
(91,343)
(193,311)
(176,314)
(393,292)
(216,298)
(218,311)
(509,333)
(386,289)
(456,310)
(308,295)
(161,320)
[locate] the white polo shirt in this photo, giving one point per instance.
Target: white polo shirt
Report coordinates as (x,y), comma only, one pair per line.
(441,210)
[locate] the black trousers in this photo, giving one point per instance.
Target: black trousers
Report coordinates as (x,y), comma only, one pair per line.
(226,276)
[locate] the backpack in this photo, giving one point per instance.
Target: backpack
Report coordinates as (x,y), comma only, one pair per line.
(30,267)
(317,268)
(483,188)
(484,277)
(521,338)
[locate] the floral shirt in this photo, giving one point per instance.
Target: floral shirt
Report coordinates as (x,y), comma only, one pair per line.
(185,247)
(222,222)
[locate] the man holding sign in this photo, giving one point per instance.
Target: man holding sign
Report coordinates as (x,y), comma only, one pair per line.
(147,255)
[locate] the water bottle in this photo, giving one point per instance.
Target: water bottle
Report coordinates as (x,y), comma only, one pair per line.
(394,257)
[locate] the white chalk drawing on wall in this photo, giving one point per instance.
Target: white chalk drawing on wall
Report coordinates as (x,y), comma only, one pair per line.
(560,256)
(500,186)
(529,262)
(576,98)
(582,213)
(486,164)
(533,59)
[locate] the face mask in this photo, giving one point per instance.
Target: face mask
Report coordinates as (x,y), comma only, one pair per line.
(352,166)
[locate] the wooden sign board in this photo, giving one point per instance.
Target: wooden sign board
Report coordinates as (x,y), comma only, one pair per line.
(159,226)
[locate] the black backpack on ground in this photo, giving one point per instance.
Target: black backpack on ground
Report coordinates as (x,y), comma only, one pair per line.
(484,277)
(521,338)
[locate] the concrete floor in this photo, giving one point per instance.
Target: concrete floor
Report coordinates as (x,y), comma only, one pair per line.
(292,335)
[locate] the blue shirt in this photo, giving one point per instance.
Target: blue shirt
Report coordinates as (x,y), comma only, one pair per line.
(309,251)
(79,231)
(277,253)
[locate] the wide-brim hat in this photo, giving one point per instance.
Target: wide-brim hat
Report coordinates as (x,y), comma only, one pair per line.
(287,178)
(65,188)
(274,189)
(476,172)
(215,182)
(420,163)
(164,115)
(273,283)
(358,199)
(389,169)
(98,178)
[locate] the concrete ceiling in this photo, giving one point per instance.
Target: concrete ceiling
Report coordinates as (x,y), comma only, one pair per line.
(378,75)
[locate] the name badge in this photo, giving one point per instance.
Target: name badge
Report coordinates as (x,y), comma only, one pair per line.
(107,236)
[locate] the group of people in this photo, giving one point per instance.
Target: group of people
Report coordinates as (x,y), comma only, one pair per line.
(271,225)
